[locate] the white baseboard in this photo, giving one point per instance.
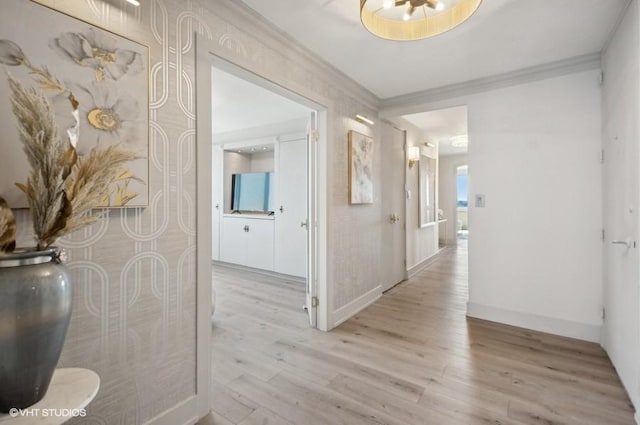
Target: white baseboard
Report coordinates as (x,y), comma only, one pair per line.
(354,307)
(535,322)
(184,413)
(296,279)
(413,270)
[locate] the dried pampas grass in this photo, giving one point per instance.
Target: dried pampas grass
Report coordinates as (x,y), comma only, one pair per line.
(51,159)
(61,188)
(90,184)
(7,228)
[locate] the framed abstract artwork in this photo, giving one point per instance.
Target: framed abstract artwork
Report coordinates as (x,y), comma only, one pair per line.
(107,74)
(360,168)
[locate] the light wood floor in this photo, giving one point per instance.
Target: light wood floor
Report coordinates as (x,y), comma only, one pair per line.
(411,358)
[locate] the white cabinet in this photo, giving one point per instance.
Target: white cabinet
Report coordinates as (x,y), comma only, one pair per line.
(247,241)
(275,243)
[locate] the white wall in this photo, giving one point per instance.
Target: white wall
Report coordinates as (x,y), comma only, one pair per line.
(262,162)
(447,187)
(294,126)
(535,254)
(620,111)
(535,250)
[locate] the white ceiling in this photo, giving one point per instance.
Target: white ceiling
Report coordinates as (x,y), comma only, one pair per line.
(440,126)
(239,105)
(502,36)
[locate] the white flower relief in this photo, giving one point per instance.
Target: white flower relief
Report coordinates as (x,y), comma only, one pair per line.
(98,51)
(107,117)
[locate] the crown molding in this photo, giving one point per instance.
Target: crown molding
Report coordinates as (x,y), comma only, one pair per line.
(238,14)
(513,78)
(242,16)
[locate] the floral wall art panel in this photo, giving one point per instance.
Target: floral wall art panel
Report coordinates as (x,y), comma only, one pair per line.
(106,73)
(360,168)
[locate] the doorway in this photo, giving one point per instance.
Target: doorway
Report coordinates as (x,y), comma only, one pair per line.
(462,205)
(263,185)
(210,54)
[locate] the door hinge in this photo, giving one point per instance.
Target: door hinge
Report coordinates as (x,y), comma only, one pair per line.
(314,135)
(601,78)
(602,156)
(602,235)
(604,315)
(314,302)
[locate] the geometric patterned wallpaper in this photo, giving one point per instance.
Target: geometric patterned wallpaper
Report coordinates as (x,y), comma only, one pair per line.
(134,318)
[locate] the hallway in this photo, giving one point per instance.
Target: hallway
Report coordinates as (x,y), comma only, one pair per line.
(411,358)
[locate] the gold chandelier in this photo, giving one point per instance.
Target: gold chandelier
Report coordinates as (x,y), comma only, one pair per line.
(414,19)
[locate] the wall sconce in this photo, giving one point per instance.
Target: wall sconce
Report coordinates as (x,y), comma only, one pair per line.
(134,2)
(413,155)
(364,119)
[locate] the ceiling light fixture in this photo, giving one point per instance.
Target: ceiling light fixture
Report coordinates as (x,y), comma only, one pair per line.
(388,4)
(134,2)
(414,19)
(364,119)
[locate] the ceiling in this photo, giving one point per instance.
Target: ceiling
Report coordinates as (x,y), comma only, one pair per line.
(441,126)
(239,104)
(502,36)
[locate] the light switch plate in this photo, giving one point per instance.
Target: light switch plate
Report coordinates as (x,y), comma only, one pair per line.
(480,201)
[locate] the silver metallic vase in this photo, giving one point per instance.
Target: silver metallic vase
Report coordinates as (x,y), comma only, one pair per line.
(35,308)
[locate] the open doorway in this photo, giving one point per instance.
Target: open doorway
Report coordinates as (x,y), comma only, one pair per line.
(462,205)
(435,145)
(263,198)
(230,355)
(440,134)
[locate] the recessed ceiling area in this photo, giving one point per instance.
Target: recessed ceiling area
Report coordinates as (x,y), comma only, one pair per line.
(446,127)
(238,104)
(500,37)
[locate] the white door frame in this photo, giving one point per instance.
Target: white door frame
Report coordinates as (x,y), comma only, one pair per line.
(209,53)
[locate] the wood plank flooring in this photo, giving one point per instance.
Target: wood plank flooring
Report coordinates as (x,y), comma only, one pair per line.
(412,358)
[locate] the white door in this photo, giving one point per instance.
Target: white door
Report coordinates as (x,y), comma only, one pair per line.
(312,220)
(621,276)
(393,207)
(216,197)
(291,211)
